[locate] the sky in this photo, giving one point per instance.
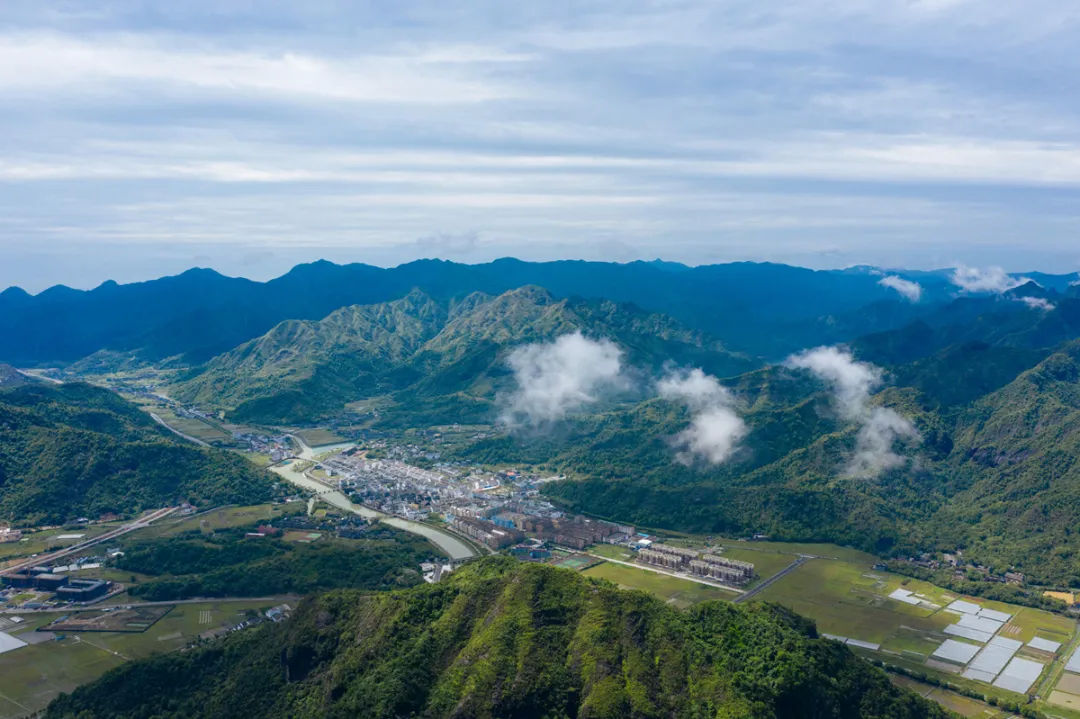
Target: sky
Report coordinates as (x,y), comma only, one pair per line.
(141,138)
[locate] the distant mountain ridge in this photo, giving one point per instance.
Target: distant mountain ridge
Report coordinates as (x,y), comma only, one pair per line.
(755,308)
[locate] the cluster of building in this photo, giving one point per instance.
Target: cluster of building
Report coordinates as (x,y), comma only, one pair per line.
(486,532)
(64,587)
(712,566)
(7,534)
(511,523)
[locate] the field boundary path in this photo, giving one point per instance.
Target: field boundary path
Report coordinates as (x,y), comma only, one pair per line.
(799,561)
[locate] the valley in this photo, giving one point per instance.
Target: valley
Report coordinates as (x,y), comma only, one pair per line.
(402,443)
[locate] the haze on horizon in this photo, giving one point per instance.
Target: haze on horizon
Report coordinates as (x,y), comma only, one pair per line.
(140,139)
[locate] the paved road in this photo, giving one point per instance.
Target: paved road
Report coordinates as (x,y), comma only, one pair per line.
(791,567)
(657,570)
(177,432)
(277,598)
(32,374)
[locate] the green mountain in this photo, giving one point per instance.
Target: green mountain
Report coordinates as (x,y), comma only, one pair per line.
(75,450)
(995,475)
(503,639)
(443,358)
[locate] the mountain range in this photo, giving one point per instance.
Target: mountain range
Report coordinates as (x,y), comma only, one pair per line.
(987,381)
(759,309)
(427,353)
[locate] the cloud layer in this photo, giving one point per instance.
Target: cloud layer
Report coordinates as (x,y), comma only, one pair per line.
(881,428)
(555,378)
(715,428)
(912,291)
(137,143)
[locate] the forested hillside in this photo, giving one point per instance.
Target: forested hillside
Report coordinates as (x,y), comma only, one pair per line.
(503,639)
(446,359)
(75,450)
(995,474)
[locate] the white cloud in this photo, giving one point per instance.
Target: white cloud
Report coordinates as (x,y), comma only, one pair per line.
(880,428)
(558,377)
(1037,303)
(985,279)
(852,381)
(42,61)
(715,428)
(911,290)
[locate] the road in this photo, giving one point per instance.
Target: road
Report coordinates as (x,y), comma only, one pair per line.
(657,570)
(277,599)
(177,432)
(34,374)
(789,568)
(140,523)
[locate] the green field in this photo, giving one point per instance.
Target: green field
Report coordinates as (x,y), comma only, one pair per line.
(197,428)
(319,437)
(680,592)
(611,552)
(962,705)
(31,676)
(222,518)
(850,599)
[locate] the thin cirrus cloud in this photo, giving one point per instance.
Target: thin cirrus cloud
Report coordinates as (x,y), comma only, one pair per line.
(701,132)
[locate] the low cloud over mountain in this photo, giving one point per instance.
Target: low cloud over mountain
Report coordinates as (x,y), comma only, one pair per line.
(912,291)
(715,429)
(558,377)
(881,428)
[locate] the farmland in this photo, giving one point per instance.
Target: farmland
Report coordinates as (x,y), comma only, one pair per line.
(894,619)
(58,662)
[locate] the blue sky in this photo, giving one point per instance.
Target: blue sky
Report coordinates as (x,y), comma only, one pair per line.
(141,138)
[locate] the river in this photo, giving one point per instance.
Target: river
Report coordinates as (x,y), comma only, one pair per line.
(454,548)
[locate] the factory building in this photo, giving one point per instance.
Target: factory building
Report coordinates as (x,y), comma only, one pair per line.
(34,578)
(83,590)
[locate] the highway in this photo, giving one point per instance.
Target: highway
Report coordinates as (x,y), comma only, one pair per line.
(277,599)
(140,523)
